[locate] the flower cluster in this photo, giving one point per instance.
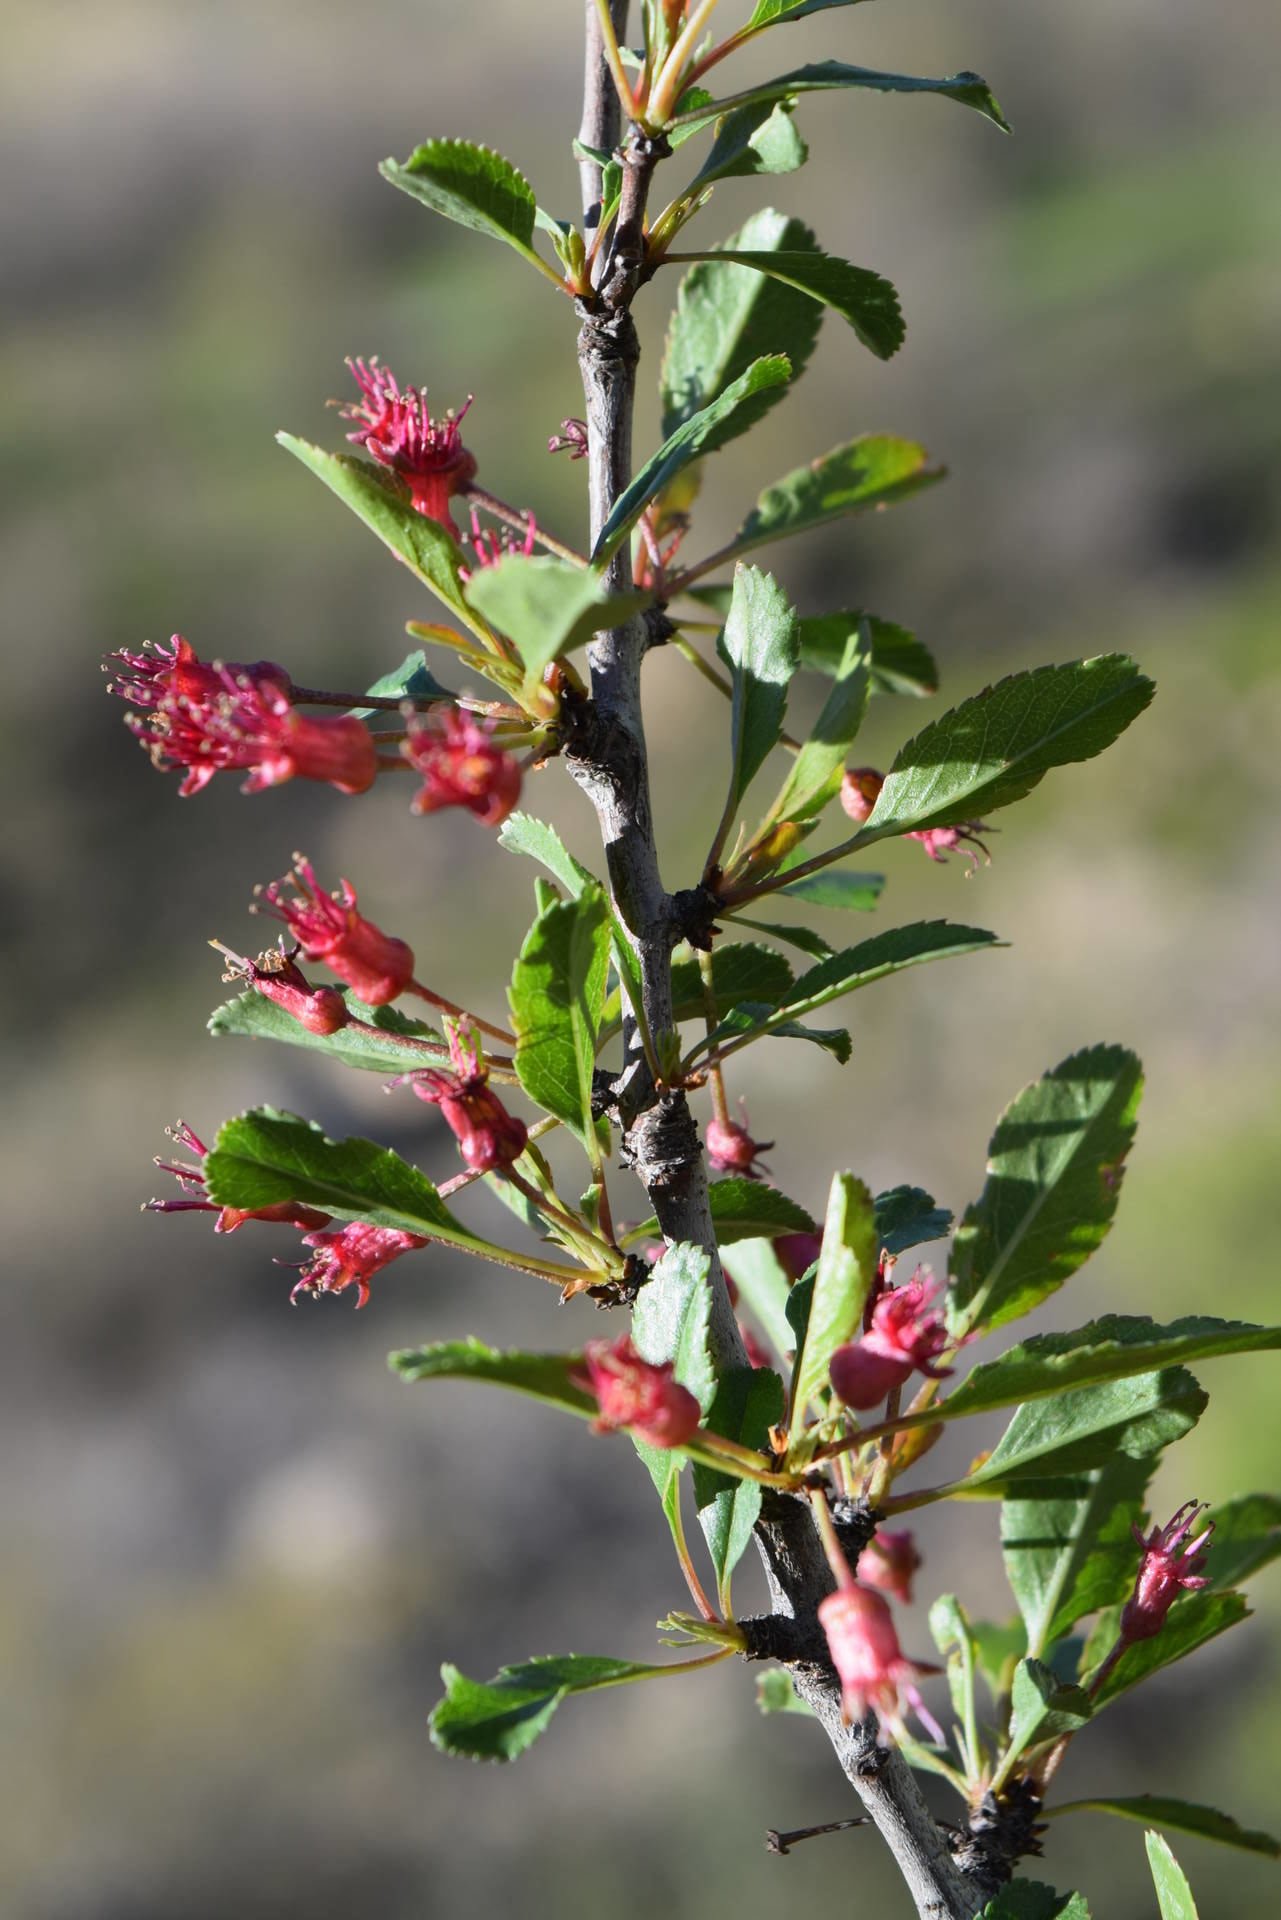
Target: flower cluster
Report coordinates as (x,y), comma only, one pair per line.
(635,1393)
(376,966)
(461,766)
(903,1337)
(396,428)
(489,1138)
(860,791)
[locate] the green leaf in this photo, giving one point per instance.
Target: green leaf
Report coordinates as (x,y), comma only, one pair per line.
(1068,1548)
(803,938)
(726,318)
(263,1158)
(776,1693)
(522,833)
(869,303)
(846,1272)
(546,607)
(827,76)
(1193,1621)
(882,955)
(1032,1900)
(900,662)
(429,550)
(995,748)
(411,680)
(749,1401)
(1173,1894)
(998,1647)
(1086,1428)
(1180,1816)
(752,1020)
(950,1631)
(1112,1348)
(545,1376)
(471,185)
(907,1217)
(769,13)
(370,1043)
(672,1316)
(497,1719)
(1247,1536)
(1054,1166)
(848,892)
(744,1210)
(872,471)
(759,645)
(817,770)
(698,435)
(1042,1707)
(741,970)
(764,1284)
(755,139)
(557,1003)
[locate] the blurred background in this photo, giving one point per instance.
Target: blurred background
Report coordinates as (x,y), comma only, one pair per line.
(235,1550)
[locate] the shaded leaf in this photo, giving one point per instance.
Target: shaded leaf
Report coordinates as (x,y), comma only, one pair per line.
(370,1042)
(522,833)
(546,607)
(848,892)
(764,1285)
(759,646)
(755,139)
(1043,1707)
(1068,1548)
(993,749)
(1193,1621)
(411,680)
(743,1209)
(741,970)
(846,1272)
(1032,1900)
(803,938)
(875,959)
(1247,1536)
(817,770)
(826,76)
(751,1020)
(873,471)
(776,1693)
(900,662)
(1055,1164)
(769,13)
(1180,1816)
(864,299)
(908,1217)
(557,1004)
(545,1376)
(497,1719)
(749,1401)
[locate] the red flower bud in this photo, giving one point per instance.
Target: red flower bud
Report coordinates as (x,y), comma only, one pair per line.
(940,840)
(636,1393)
(277,977)
(860,791)
(350,1256)
(327,927)
(192,1181)
(888,1562)
(875,1673)
(797,1253)
(488,1137)
(461,767)
(399,432)
(1171,1563)
(902,1339)
(731,1149)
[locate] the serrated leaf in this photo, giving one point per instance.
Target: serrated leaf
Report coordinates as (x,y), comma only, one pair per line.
(1180,1816)
(370,1042)
(471,185)
(726,318)
(950,1631)
(672,1317)
(411,680)
(752,1020)
(749,1401)
(995,748)
(699,434)
(429,550)
(522,833)
(263,1158)
(847,892)
(497,1719)
(827,76)
(557,999)
(908,1217)
(1193,1621)
(1078,1431)
(544,1376)
(1173,1894)
(768,13)
(1247,1536)
(759,138)
(776,1693)
(1068,1549)
(1042,1707)
(803,938)
(1033,1900)
(998,1646)
(741,970)
(759,646)
(872,471)
(546,607)
(900,662)
(744,1210)
(864,299)
(1055,1164)
(764,1284)
(1111,1348)
(817,770)
(846,1272)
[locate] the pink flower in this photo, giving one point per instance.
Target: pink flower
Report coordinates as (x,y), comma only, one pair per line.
(192,1181)
(147,678)
(1171,1564)
(860,791)
(888,1562)
(635,1393)
(902,1339)
(797,1252)
(875,1674)
(350,1256)
(495,544)
(213,719)
(398,431)
(731,1149)
(278,978)
(461,767)
(327,927)
(571,439)
(488,1137)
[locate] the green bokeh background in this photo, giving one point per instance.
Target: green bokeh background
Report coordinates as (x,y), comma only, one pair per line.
(235,1550)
